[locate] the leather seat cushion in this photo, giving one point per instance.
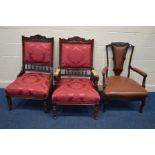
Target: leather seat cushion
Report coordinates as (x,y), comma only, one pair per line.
(30,85)
(119,86)
(75,91)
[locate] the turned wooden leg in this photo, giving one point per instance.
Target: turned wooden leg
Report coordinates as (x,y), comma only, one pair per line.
(142,105)
(96,110)
(105,105)
(9,101)
(45,106)
(54,111)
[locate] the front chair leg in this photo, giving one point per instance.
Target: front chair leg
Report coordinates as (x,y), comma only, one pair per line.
(142,105)
(96,110)
(9,101)
(54,111)
(45,106)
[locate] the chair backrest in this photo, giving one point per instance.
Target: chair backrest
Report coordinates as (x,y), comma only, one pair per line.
(37,53)
(119,52)
(76,56)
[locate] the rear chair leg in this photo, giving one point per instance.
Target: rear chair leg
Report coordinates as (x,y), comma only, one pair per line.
(54,111)
(45,106)
(96,110)
(9,101)
(142,106)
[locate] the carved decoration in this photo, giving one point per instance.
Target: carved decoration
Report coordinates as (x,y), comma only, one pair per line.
(77,39)
(38,38)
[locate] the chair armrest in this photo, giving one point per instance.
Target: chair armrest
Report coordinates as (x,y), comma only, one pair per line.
(57,76)
(94,78)
(57,72)
(104,74)
(94,72)
(140,72)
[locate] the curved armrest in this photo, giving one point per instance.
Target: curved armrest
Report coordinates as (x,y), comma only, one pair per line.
(139,71)
(142,73)
(94,78)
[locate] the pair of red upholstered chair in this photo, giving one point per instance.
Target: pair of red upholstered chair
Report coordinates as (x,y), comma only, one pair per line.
(75,81)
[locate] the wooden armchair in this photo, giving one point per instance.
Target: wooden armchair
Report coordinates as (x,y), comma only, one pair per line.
(118,87)
(75,81)
(35,79)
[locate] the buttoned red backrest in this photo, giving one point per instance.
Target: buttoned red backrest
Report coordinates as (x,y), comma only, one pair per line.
(76,52)
(37,50)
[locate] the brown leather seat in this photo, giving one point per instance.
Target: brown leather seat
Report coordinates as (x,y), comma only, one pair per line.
(119,86)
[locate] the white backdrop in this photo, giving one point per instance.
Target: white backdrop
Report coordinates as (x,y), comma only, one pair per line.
(142,37)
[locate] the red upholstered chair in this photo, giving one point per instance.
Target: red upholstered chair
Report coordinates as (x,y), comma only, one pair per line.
(35,79)
(75,80)
(118,87)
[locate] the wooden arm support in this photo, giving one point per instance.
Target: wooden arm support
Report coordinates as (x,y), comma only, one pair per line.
(141,73)
(104,74)
(94,78)
(57,76)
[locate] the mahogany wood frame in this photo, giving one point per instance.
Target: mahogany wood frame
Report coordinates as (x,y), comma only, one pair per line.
(36,67)
(140,72)
(92,74)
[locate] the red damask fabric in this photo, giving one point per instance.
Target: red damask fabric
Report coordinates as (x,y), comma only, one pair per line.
(30,85)
(76,55)
(37,52)
(79,90)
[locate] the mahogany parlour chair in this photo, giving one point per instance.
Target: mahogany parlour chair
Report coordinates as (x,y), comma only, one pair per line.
(119,87)
(76,82)
(35,79)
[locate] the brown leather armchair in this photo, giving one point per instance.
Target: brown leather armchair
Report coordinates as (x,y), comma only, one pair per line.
(118,87)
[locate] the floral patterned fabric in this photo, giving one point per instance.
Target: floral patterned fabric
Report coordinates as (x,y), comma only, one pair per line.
(37,52)
(76,55)
(30,85)
(75,91)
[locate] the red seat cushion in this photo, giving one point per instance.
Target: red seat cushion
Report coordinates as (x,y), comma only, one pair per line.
(30,85)
(75,91)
